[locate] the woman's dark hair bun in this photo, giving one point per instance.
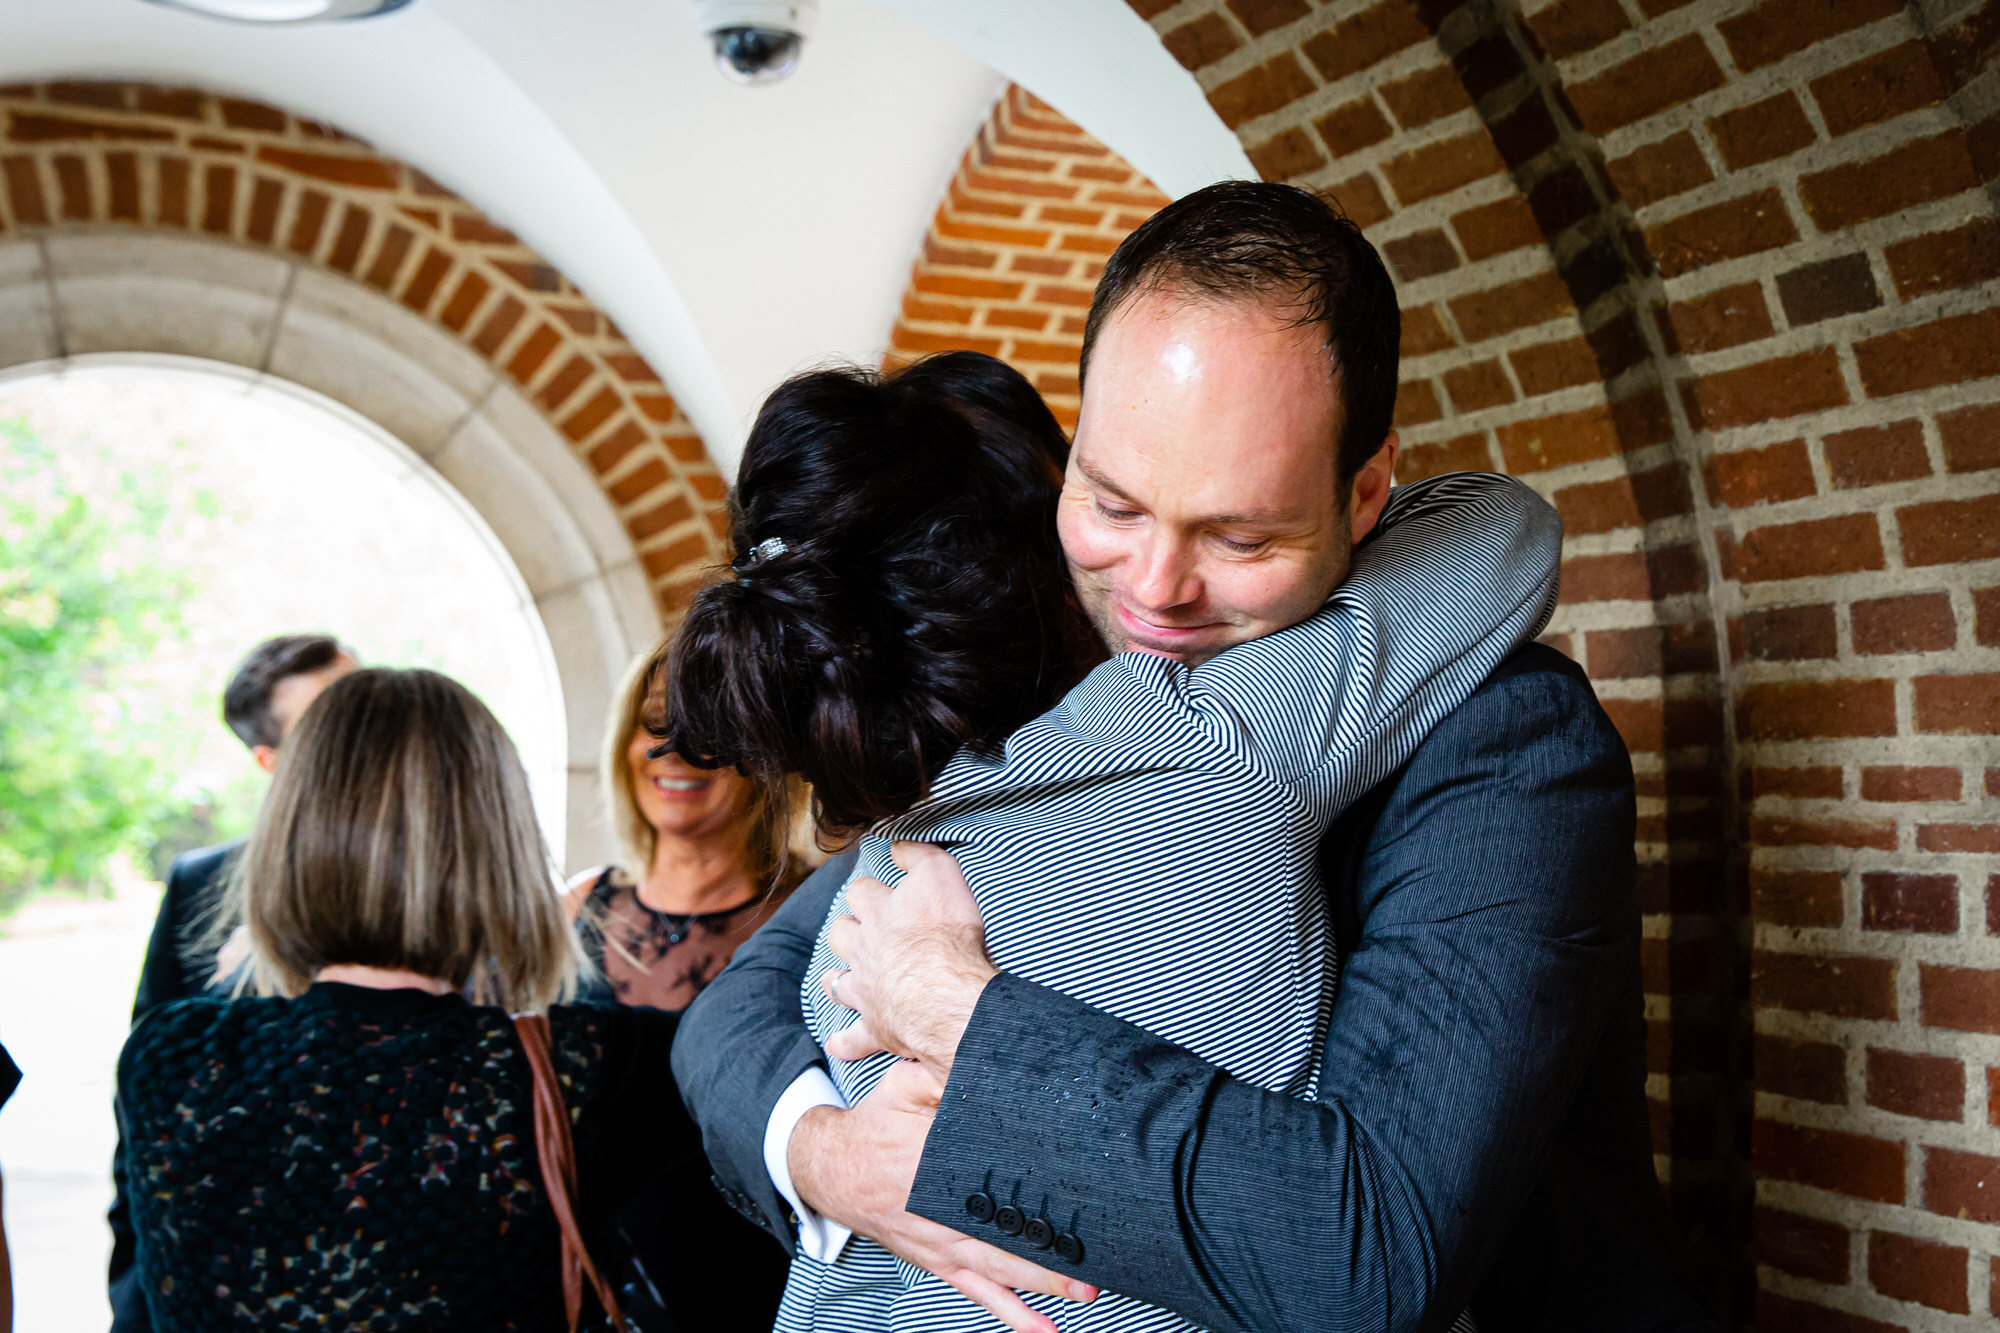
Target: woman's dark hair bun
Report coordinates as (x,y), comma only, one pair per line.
(920,602)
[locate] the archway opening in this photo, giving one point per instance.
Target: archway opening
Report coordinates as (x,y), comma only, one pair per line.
(211,507)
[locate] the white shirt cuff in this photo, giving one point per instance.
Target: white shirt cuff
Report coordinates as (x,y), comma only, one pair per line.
(819,1237)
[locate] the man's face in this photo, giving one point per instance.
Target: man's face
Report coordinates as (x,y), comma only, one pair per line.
(291,697)
(1201,508)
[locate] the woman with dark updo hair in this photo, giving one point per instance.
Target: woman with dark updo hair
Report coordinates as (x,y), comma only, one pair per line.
(920,601)
(901,631)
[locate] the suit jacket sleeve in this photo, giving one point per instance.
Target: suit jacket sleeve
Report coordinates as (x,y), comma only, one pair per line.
(744,1041)
(1496,923)
(161,977)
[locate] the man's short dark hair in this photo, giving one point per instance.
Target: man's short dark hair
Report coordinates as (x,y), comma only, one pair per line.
(1275,244)
(246,704)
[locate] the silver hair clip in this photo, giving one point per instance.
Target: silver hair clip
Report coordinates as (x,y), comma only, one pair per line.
(768,549)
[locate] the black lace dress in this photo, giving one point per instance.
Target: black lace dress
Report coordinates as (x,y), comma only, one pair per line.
(662,959)
(365,1160)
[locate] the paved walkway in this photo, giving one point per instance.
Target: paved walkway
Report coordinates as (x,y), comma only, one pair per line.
(67,969)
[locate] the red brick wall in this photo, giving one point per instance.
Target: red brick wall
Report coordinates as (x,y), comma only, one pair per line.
(93,155)
(1017,244)
(1721,279)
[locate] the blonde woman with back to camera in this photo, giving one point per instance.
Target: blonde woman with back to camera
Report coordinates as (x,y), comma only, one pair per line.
(371,1141)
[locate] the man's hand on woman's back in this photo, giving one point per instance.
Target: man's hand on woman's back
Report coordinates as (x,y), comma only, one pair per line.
(743,1042)
(918,961)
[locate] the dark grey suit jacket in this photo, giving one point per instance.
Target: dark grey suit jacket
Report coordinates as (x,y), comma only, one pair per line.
(1481,1133)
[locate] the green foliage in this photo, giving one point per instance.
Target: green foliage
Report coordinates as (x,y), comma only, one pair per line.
(88,755)
(205,817)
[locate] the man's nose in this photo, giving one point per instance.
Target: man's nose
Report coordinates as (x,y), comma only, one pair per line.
(1163,577)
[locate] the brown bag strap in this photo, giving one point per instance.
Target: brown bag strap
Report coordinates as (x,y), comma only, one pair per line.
(558,1157)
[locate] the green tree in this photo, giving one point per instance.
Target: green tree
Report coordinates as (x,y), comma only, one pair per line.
(87,768)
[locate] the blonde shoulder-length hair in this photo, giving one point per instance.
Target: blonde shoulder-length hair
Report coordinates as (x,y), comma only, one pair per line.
(771,841)
(399,833)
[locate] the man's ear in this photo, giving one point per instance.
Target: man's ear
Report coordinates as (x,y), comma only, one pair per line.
(1371,488)
(266,757)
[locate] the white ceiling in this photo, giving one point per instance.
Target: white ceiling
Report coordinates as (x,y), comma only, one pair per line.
(735,234)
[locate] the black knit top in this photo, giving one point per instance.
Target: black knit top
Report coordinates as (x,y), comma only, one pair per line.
(365,1159)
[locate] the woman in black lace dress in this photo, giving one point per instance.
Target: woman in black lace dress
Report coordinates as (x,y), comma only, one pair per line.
(355,1147)
(705,864)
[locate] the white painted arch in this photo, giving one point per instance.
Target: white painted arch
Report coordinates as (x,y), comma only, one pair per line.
(734,234)
(291,332)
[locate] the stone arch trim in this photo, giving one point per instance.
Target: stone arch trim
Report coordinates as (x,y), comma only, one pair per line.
(129,156)
(199,305)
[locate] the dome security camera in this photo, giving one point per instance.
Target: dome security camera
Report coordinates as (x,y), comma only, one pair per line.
(756,41)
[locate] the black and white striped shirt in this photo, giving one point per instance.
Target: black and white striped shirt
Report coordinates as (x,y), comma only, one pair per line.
(1158,809)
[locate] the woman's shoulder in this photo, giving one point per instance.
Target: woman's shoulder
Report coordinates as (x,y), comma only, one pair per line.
(198,1015)
(585,885)
(195,1028)
(1132,699)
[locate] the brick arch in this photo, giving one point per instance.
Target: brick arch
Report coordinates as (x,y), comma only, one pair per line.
(1017,245)
(82,156)
(1722,279)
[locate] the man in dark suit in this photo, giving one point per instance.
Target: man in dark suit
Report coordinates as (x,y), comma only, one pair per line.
(266,695)
(194,883)
(1479,1136)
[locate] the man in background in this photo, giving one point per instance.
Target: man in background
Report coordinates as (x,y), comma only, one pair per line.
(270,690)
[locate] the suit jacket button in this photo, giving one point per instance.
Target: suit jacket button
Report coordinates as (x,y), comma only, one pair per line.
(980,1206)
(1008,1219)
(1070,1248)
(1039,1233)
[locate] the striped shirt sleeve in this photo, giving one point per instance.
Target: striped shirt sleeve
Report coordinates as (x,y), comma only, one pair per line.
(1462,570)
